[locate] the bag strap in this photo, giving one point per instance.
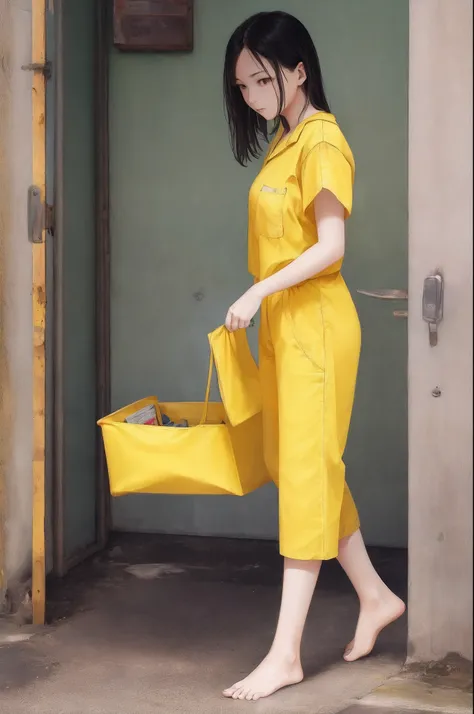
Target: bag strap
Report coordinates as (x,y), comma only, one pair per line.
(208,389)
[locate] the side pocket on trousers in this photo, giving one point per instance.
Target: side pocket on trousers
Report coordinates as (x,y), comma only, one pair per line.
(305,315)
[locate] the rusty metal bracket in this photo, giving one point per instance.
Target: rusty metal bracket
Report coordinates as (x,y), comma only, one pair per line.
(44,67)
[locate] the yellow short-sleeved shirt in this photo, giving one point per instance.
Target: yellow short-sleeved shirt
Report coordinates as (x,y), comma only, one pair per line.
(281,216)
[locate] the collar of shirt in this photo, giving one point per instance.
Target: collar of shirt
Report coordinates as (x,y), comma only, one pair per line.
(279,144)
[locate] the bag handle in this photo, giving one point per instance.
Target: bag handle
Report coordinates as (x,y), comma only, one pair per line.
(208,389)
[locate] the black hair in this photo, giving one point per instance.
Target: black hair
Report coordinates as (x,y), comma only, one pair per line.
(284,41)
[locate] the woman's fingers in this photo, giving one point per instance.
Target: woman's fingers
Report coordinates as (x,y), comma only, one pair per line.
(233,322)
(230,320)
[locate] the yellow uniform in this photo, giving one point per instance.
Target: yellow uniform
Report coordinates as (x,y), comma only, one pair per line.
(309,340)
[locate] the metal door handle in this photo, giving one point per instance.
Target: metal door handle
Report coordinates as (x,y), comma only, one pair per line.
(432,305)
(388,294)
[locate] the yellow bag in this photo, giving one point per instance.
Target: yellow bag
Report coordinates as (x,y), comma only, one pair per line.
(221,452)
(237,374)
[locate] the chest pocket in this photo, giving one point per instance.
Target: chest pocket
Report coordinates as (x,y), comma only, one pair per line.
(270,212)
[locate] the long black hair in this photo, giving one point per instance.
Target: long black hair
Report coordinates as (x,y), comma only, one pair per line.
(285,42)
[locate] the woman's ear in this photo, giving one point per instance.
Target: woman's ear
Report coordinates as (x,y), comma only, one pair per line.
(302,77)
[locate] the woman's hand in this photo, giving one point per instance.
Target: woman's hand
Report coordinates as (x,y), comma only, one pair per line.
(240,314)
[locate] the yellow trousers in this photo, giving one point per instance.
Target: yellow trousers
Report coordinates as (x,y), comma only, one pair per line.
(309,349)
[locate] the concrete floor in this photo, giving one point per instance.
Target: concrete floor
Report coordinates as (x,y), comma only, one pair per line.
(358,709)
(159,625)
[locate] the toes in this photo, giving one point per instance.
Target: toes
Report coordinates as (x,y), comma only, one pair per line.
(229,692)
(352,656)
(244,692)
(236,694)
(348,649)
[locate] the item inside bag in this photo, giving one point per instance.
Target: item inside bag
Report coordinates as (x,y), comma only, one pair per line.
(147,415)
(183,424)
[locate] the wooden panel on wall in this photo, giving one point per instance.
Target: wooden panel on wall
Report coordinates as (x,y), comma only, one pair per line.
(153,25)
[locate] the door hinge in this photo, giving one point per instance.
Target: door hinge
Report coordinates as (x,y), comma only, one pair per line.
(40,216)
(49,218)
(44,67)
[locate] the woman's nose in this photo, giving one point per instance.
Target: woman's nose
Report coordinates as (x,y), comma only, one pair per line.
(252,98)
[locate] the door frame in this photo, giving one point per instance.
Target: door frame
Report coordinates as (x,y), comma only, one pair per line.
(38,57)
(103,358)
(62,563)
(440,377)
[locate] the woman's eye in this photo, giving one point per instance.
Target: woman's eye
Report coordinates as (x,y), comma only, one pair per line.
(265,80)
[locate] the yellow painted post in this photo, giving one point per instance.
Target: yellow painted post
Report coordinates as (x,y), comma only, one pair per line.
(39,316)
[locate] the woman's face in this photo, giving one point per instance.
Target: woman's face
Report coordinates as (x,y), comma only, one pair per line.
(259,85)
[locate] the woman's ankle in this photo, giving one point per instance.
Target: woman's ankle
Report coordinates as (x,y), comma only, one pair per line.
(287,655)
(377,596)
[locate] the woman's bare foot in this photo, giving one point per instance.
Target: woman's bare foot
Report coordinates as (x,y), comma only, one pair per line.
(272,674)
(373,618)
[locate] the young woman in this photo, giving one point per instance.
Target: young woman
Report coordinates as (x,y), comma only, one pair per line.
(310,334)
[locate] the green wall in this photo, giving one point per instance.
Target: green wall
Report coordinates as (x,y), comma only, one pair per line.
(179,204)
